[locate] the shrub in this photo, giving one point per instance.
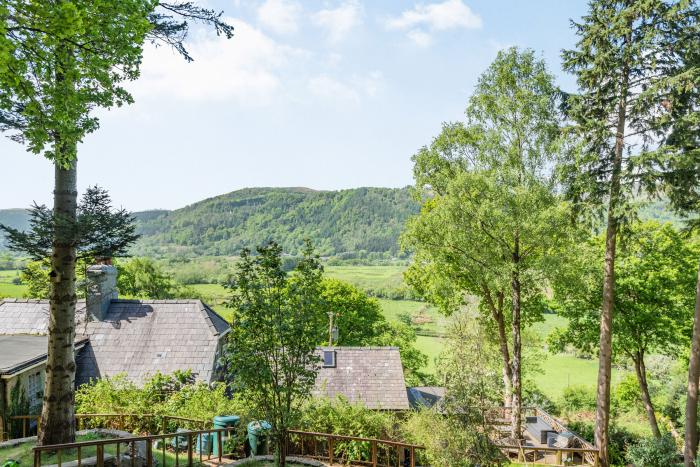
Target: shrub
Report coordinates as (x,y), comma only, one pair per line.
(653,452)
(534,397)
(627,395)
(448,440)
(351,419)
(576,398)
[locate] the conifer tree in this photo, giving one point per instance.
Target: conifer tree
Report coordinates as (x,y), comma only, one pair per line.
(626,63)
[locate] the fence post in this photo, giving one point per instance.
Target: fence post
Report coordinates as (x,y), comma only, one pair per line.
(149,453)
(37,458)
(220,444)
(374,453)
(189,449)
(413,456)
(330,450)
(558,456)
(100,453)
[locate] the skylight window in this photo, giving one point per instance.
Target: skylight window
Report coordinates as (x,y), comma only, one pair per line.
(329,359)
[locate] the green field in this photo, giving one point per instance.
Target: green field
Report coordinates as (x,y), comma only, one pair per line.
(7,288)
(368,277)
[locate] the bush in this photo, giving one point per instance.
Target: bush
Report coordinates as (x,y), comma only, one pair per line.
(653,452)
(173,395)
(534,397)
(351,419)
(619,439)
(448,440)
(627,395)
(576,398)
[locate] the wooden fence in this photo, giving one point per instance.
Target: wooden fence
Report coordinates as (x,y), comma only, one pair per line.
(150,423)
(187,448)
(352,450)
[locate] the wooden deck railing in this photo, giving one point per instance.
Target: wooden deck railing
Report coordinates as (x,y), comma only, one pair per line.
(150,423)
(352,450)
(139,451)
(550,456)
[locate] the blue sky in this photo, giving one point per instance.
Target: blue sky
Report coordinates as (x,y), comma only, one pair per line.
(323,94)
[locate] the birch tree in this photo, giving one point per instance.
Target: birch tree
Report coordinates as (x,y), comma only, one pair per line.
(59,61)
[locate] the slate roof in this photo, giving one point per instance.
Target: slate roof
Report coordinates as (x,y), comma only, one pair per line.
(371,375)
(426,396)
(139,337)
(20,351)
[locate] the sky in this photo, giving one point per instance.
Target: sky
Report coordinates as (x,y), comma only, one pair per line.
(327,94)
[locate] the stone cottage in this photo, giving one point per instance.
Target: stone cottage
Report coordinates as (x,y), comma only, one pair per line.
(134,337)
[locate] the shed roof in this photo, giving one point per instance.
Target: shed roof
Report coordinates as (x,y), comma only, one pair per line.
(371,375)
(137,337)
(18,352)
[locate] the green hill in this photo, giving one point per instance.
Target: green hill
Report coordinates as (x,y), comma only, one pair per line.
(354,223)
(344,223)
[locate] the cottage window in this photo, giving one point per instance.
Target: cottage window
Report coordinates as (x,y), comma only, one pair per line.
(35,389)
(329,359)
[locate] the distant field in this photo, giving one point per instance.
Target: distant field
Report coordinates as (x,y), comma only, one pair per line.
(368,277)
(7,288)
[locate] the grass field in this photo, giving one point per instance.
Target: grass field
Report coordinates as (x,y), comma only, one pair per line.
(368,277)
(7,288)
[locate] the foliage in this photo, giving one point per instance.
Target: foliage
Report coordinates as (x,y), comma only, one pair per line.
(143,278)
(174,395)
(447,441)
(626,394)
(99,230)
(35,276)
(653,452)
(534,397)
(619,439)
(361,223)
(271,350)
(577,398)
(18,405)
(340,416)
(491,221)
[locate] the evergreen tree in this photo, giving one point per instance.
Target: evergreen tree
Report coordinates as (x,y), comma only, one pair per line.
(627,62)
(60,60)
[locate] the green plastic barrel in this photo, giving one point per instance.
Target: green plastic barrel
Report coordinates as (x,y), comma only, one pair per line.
(257,437)
(224,421)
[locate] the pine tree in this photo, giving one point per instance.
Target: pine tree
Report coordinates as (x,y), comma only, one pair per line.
(627,63)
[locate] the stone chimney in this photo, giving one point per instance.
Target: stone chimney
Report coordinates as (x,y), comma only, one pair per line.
(102,289)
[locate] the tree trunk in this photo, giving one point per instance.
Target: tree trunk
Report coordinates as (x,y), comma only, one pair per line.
(57,414)
(516,405)
(602,415)
(641,371)
(497,314)
(691,403)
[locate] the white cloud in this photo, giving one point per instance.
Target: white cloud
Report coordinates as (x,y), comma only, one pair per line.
(420,38)
(450,14)
(280,16)
(339,21)
(246,68)
(352,90)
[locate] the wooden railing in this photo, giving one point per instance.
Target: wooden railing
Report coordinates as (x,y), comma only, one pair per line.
(150,423)
(581,453)
(139,451)
(352,450)
(551,456)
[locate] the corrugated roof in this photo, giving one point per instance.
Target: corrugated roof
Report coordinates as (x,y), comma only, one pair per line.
(371,375)
(138,337)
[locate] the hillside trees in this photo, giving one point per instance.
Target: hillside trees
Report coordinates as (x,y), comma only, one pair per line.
(628,61)
(59,60)
(490,217)
(271,349)
(655,279)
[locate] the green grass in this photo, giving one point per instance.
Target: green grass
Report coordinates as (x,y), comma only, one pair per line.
(7,288)
(369,277)
(24,454)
